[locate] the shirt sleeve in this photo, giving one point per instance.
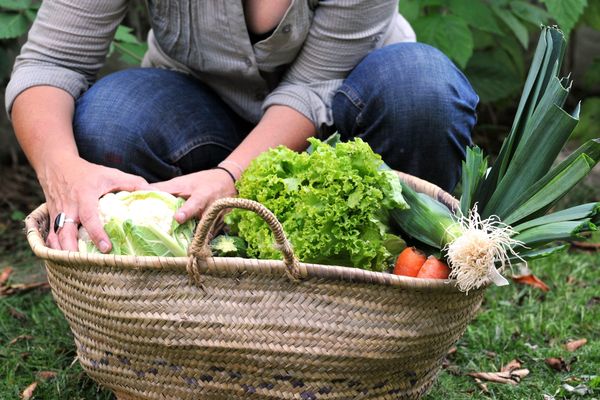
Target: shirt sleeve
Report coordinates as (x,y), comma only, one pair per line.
(66,46)
(341,34)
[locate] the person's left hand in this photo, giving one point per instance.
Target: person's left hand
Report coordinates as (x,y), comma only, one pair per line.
(200,189)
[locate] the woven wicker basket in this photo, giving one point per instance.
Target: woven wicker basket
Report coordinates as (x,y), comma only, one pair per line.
(228,328)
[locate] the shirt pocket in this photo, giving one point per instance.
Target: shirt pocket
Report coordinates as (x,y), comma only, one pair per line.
(282,47)
(170,21)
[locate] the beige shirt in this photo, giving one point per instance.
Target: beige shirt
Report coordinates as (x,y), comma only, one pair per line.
(300,65)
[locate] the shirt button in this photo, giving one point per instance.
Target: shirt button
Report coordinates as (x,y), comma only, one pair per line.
(286,28)
(248,61)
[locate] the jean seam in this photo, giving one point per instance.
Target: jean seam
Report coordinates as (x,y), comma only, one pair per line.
(353,96)
(204,141)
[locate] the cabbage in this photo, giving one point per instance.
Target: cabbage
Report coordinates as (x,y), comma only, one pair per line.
(141,223)
(333,203)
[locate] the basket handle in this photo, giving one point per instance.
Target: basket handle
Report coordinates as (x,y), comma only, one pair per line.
(199,250)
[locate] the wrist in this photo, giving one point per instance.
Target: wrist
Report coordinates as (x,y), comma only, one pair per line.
(233,167)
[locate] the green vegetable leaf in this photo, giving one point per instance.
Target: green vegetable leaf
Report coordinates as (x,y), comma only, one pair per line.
(333,203)
(448,33)
(473,171)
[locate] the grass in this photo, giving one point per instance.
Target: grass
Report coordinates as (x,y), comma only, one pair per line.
(515,322)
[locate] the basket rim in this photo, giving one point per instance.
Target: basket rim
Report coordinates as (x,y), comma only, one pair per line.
(38,221)
(219,265)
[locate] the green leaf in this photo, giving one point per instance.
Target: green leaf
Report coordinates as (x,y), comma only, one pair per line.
(16,4)
(409,9)
(533,159)
(473,171)
(549,189)
(566,12)
(548,52)
(124,35)
(448,33)
(587,210)
(528,255)
(555,231)
(131,53)
(511,46)
(483,40)
(513,23)
(492,75)
(150,241)
(31,14)
(13,25)
(477,14)
(529,12)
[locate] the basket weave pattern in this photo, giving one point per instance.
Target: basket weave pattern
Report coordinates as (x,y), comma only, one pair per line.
(228,328)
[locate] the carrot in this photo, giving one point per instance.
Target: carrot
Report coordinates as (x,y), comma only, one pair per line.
(434,268)
(409,262)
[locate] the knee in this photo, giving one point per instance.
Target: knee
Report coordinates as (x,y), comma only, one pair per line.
(413,77)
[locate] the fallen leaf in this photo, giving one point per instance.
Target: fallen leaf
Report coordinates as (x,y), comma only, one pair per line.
(558,364)
(22,287)
(531,280)
(594,301)
(17,314)
(482,386)
(531,346)
(511,366)
(581,390)
(511,378)
(586,245)
(5,275)
(490,354)
(28,392)
(575,344)
(45,375)
(19,338)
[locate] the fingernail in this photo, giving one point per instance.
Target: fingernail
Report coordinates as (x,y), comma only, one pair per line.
(103,246)
(180,216)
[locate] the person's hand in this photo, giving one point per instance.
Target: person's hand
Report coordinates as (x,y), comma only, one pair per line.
(200,189)
(73,186)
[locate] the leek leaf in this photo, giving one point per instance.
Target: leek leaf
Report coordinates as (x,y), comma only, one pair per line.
(473,171)
(539,253)
(528,166)
(587,210)
(549,51)
(564,230)
(555,183)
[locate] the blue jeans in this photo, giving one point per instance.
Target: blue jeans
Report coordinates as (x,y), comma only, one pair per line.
(408,101)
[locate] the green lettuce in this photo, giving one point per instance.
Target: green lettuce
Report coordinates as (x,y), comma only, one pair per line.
(333,203)
(141,223)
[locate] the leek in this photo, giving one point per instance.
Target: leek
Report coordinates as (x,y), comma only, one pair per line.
(519,189)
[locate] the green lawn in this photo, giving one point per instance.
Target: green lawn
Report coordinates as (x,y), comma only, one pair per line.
(515,322)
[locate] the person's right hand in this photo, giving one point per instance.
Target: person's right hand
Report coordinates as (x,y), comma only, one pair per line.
(73,186)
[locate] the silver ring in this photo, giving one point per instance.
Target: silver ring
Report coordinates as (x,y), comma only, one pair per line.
(60,221)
